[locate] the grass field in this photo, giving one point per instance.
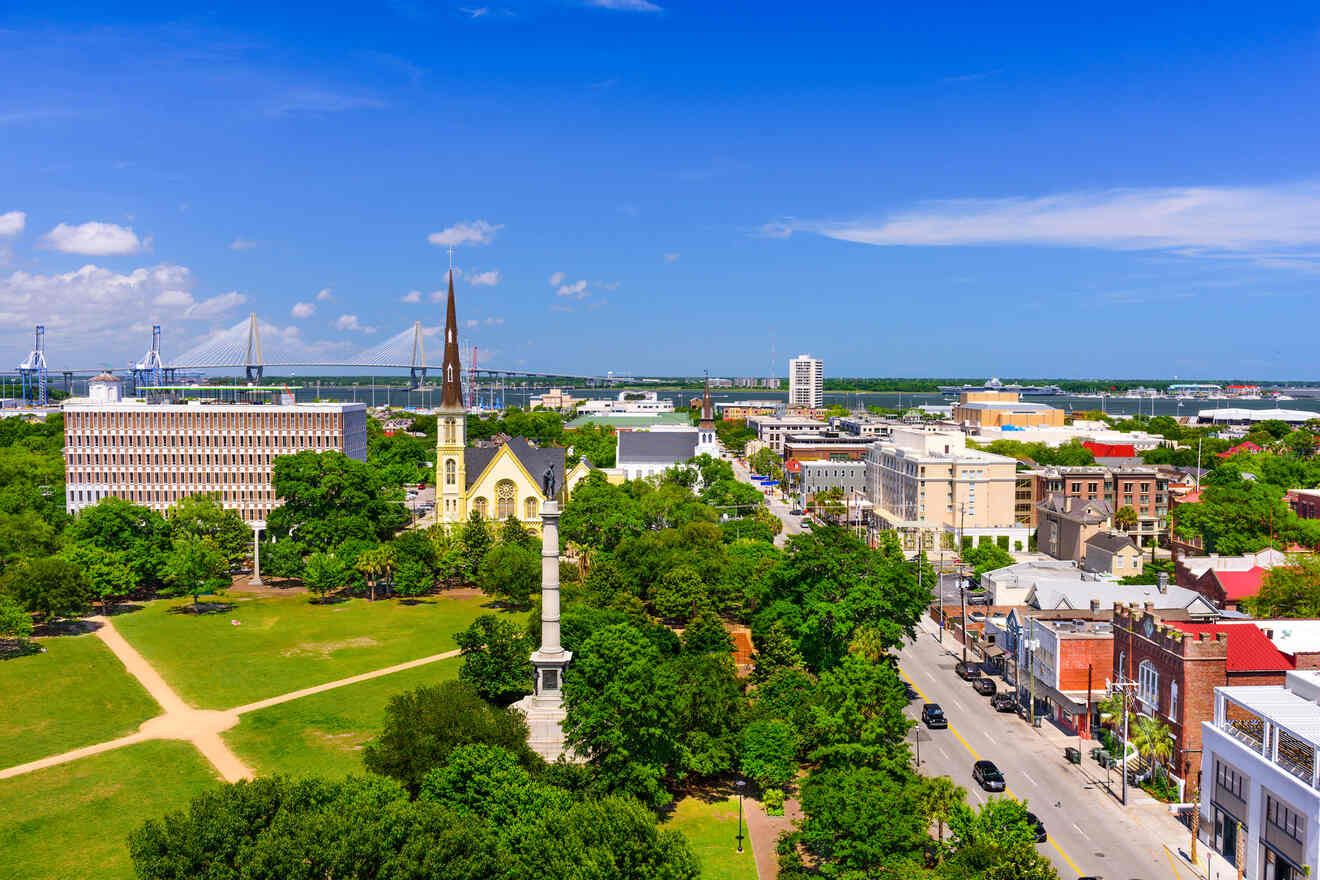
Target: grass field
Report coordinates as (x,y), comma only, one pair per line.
(323,734)
(712,829)
(74,694)
(73,820)
(285,643)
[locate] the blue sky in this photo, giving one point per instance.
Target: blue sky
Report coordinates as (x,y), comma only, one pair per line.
(667,187)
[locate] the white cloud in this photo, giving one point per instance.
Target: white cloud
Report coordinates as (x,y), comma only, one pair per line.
(470,232)
(350,322)
(412,296)
(778,229)
(577,289)
(12,223)
(93,239)
(317,102)
(484,279)
(173,299)
(471,322)
(216,305)
(493,322)
(477,12)
(242,244)
(303,310)
(557,279)
(1262,223)
(324,295)
(626,5)
(671,258)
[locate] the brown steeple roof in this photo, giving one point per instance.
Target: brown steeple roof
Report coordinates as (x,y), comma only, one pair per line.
(707,410)
(451,396)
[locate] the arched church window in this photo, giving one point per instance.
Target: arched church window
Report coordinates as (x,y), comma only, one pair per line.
(506,496)
(451,472)
(479,505)
(451,434)
(529,508)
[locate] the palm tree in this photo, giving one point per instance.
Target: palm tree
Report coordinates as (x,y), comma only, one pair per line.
(1125,518)
(375,563)
(1153,741)
(937,796)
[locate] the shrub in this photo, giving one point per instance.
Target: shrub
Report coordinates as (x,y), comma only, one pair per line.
(773,799)
(1002,541)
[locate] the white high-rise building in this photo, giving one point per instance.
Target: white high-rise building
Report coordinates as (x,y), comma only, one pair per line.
(806,381)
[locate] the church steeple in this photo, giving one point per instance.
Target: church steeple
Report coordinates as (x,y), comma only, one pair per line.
(451,396)
(707,410)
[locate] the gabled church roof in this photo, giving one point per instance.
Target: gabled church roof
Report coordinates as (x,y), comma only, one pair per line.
(533,459)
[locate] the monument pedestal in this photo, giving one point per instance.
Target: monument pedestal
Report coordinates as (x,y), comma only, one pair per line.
(544,708)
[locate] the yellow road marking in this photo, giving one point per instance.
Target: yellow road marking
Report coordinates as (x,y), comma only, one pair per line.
(1007,791)
(1169,856)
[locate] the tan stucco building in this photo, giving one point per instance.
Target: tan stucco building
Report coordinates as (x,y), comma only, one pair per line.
(995,409)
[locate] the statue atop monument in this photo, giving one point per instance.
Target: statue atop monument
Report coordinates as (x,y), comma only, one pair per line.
(548,482)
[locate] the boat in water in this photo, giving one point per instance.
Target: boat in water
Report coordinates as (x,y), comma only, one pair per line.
(996,385)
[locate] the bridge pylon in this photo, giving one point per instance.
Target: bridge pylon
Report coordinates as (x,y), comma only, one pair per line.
(252,363)
(417,368)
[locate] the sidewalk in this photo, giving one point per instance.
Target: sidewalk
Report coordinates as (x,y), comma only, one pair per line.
(1152,816)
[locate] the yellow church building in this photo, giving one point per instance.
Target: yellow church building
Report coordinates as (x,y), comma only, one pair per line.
(494,482)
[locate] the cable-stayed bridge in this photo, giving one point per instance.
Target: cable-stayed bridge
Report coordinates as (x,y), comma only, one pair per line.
(240,347)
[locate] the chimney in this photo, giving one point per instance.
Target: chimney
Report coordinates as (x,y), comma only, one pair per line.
(1163,582)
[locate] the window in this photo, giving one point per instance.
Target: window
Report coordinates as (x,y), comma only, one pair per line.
(479,506)
(529,508)
(450,431)
(1228,779)
(1121,672)
(506,494)
(1148,684)
(451,472)
(1285,819)
(1173,701)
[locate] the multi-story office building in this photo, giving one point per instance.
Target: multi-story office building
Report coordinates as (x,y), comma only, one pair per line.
(806,382)
(154,454)
(1260,777)
(928,482)
(817,476)
(1144,489)
(774,430)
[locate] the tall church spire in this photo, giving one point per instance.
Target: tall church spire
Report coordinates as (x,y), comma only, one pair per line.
(707,410)
(451,396)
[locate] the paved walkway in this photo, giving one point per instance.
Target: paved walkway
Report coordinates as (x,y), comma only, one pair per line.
(763,832)
(201,727)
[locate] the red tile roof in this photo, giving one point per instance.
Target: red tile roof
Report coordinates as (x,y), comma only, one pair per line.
(1240,584)
(1249,649)
(1111,450)
(1244,446)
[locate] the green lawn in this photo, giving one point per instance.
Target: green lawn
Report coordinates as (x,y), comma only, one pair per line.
(75,694)
(73,820)
(712,829)
(323,734)
(285,643)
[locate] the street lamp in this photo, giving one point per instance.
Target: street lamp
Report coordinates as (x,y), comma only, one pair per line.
(740,783)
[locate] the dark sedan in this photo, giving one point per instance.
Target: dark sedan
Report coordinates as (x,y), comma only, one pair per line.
(985,687)
(967,671)
(1003,703)
(933,716)
(987,775)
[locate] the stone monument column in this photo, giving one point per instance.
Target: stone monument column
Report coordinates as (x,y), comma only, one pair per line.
(544,708)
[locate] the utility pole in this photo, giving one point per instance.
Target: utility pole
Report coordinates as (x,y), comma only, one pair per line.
(962,597)
(1125,747)
(1088,711)
(1031,671)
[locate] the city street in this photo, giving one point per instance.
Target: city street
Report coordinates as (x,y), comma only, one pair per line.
(780,508)
(1089,833)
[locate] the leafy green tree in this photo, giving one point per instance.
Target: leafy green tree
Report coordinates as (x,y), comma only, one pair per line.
(599,514)
(769,750)
(858,717)
(108,574)
(50,588)
(680,593)
(861,822)
(1125,518)
(514,532)
(1239,516)
(766,463)
(596,443)
(423,726)
(282,558)
(774,651)
(323,574)
(603,582)
(828,503)
(937,797)
(202,516)
(25,535)
(1153,740)
(374,565)
(195,567)
(998,840)
(708,713)
(416,564)
(496,659)
(1291,590)
(139,533)
(399,457)
(734,434)
(15,623)
(490,783)
(706,634)
(987,557)
(512,572)
(329,498)
(619,698)
(476,540)
(787,695)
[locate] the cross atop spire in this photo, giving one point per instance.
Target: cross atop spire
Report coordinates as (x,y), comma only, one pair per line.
(451,395)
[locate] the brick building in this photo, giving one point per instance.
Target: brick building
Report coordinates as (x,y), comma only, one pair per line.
(1144,489)
(1066,650)
(1304,502)
(1177,663)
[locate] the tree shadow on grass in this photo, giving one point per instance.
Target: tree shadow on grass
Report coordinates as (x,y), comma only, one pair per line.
(12,649)
(203,608)
(65,627)
(336,599)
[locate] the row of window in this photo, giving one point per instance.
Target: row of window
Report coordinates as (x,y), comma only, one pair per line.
(1229,779)
(165,496)
(102,419)
(170,459)
(153,441)
(177,477)
(1283,817)
(1148,687)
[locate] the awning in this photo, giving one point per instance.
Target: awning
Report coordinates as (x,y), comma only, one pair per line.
(992,651)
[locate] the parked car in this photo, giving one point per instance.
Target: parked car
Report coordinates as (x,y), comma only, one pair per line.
(796,511)
(967,671)
(987,775)
(1003,703)
(933,716)
(985,687)
(806,524)
(1037,826)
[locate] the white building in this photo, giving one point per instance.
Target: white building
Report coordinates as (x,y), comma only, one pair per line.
(1260,777)
(154,454)
(774,430)
(806,382)
(628,403)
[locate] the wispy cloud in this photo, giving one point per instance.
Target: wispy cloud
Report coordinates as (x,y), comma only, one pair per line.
(470,232)
(577,289)
(303,310)
(557,279)
(672,258)
(777,229)
(324,295)
(216,305)
(94,239)
(474,12)
(12,223)
(313,101)
(351,322)
(968,77)
(484,279)
(242,244)
(626,5)
(412,296)
(1277,226)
